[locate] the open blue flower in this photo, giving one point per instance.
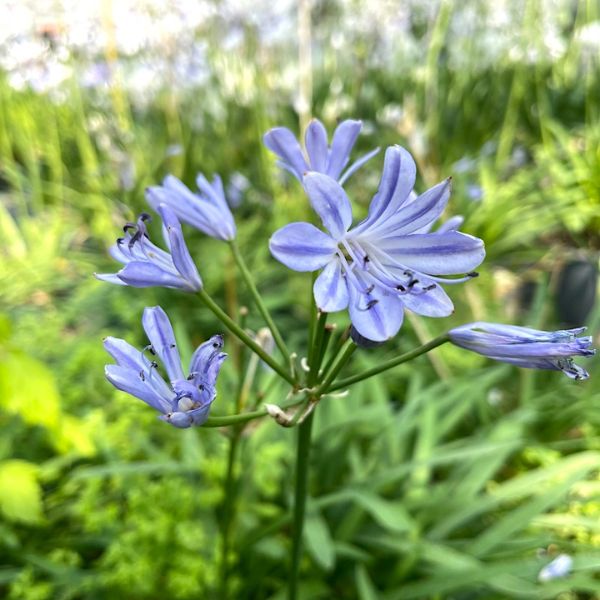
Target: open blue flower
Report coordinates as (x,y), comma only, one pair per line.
(525,347)
(207,211)
(322,158)
(146,265)
(184,401)
(382,265)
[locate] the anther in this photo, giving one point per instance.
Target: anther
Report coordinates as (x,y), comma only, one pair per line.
(473,274)
(145,217)
(412,283)
(400,288)
(429,287)
(371,304)
(142,376)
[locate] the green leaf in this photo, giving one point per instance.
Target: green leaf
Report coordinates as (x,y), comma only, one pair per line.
(20,492)
(28,388)
(391,515)
(318,541)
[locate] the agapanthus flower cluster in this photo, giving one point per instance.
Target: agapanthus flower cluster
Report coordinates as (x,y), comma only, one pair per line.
(183,401)
(319,157)
(387,262)
(207,211)
(146,264)
(526,347)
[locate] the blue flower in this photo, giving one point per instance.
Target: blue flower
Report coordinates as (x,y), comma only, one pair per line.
(207,211)
(322,158)
(382,265)
(146,265)
(184,401)
(526,347)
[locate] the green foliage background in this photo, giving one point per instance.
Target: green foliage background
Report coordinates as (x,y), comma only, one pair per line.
(450,477)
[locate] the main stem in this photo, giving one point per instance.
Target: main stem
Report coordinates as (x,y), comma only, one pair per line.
(302,460)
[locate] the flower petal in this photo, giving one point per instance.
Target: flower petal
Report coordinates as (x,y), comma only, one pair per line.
(110,278)
(203,356)
(282,142)
(344,138)
(160,333)
(181,256)
(214,367)
(132,358)
(436,254)
(330,202)
(302,247)
(188,206)
(424,210)
(145,274)
(181,420)
(331,289)
(315,139)
(452,224)
(396,184)
(357,164)
(433,302)
(377,315)
(125,354)
(129,381)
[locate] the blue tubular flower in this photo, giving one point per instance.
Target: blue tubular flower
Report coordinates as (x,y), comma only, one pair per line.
(322,158)
(207,211)
(146,265)
(382,265)
(526,347)
(185,401)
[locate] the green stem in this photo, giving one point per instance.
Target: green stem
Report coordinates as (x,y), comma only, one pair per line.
(249,416)
(243,336)
(342,383)
(302,460)
(264,311)
(340,361)
(337,347)
(314,352)
(228,511)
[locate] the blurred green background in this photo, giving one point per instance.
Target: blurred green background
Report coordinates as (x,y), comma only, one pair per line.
(450,477)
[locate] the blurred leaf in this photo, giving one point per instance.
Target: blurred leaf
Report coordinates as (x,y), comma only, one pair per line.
(318,541)
(28,388)
(20,492)
(364,586)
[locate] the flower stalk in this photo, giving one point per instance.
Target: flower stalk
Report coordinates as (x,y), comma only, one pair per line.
(262,308)
(390,364)
(243,336)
